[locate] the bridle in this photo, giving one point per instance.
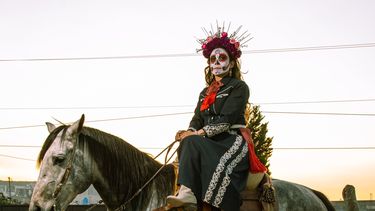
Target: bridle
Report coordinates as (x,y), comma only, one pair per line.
(67,172)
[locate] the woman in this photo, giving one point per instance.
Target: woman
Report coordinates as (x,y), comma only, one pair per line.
(213,155)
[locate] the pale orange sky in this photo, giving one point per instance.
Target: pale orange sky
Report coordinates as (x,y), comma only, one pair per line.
(70,29)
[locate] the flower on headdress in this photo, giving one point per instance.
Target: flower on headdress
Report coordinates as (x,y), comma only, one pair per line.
(237,45)
(209,39)
(224,34)
(232,41)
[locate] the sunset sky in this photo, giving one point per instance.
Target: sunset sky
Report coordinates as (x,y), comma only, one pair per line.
(310,66)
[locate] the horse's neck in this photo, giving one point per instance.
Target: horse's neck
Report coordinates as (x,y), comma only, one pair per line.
(114,200)
(117,178)
(104,189)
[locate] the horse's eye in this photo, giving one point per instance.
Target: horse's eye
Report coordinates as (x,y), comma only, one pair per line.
(58,159)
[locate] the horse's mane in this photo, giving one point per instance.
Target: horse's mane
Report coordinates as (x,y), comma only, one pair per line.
(124,167)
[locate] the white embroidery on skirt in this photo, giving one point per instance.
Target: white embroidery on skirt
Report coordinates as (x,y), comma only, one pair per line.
(228,172)
(220,168)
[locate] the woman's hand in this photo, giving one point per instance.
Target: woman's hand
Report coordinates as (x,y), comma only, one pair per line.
(181,134)
(178,135)
(186,134)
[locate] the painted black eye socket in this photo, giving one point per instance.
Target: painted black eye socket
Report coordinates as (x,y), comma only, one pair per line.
(58,160)
(213,59)
(222,58)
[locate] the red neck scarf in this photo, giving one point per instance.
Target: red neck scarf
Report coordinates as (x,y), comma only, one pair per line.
(211,94)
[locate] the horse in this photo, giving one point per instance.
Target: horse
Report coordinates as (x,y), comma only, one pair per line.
(73,157)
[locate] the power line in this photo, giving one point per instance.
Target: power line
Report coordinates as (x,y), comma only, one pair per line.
(20,146)
(275,50)
(20,127)
(275,148)
(140,117)
(179,106)
(103,120)
(318,113)
(324,148)
(34,146)
(19,158)
(102,57)
(95,107)
(183,113)
(313,48)
(316,102)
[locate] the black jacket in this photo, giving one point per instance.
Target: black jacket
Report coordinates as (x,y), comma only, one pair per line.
(228,110)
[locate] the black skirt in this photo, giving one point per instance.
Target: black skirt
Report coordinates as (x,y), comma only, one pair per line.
(215,168)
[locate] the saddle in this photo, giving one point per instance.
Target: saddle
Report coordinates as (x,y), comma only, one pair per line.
(259,195)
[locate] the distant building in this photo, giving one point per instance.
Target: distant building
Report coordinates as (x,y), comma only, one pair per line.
(22,191)
(19,190)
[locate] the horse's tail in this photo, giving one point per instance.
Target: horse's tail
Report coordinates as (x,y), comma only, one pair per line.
(324,199)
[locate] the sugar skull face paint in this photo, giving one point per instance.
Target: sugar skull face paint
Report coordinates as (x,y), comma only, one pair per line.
(219,61)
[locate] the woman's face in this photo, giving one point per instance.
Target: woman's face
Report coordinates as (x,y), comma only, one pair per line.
(219,61)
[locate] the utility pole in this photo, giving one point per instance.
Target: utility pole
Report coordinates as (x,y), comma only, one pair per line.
(10,197)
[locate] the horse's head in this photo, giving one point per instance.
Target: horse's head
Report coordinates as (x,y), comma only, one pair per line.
(64,171)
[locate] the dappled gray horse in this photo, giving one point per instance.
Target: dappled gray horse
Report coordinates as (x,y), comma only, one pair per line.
(73,157)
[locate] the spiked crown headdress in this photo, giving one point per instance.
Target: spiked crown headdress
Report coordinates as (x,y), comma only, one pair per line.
(231,43)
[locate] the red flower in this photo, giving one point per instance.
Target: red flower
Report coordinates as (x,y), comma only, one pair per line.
(224,34)
(232,41)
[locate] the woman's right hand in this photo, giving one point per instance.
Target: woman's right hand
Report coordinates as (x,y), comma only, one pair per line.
(178,136)
(186,134)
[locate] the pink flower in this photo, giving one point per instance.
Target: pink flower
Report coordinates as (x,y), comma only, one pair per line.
(224,34)
(237,45)
(232,41)
(204,46)
(209,39)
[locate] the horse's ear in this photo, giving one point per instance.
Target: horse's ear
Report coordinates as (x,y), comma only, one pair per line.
(51,127)
(77,126)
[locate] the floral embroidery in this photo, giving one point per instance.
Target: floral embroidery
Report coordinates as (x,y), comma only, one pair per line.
(228,172)
(220,168)
(212,130)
